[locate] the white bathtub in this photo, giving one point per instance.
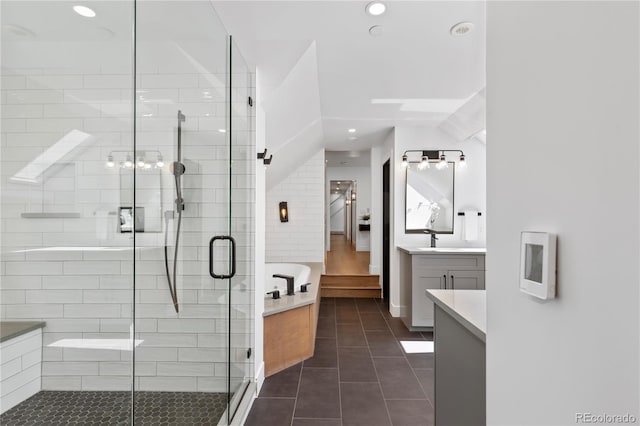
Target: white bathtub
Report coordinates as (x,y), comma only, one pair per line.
(300,272)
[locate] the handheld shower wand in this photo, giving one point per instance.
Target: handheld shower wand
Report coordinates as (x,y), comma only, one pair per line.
(178,169)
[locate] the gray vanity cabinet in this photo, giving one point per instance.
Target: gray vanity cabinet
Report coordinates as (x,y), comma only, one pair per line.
(465,280)
(446,270)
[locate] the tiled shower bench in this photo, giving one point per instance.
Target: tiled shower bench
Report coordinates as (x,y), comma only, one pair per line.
(21,358)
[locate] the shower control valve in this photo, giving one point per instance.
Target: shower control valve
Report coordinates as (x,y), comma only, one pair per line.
(177,168)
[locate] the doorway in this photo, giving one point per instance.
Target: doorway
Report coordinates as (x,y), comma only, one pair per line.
(342,256)
(386,229)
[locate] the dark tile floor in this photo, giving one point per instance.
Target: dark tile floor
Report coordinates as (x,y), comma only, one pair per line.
(114,408)
(359,375)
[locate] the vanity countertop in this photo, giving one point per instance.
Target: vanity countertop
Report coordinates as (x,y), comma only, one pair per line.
(443,250)
(468,307)
(285,302)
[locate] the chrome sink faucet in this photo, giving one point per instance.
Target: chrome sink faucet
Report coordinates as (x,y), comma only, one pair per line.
(290,279)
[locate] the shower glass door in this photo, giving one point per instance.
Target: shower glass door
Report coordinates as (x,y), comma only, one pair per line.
(241,194)
(193,197)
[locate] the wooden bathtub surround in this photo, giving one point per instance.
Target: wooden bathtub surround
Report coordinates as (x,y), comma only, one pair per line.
(290,335)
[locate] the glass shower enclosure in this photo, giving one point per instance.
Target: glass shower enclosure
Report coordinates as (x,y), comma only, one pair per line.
(127,205)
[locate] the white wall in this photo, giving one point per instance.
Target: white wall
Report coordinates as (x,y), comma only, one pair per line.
(260,224)
(301,238)
(470,193)
(362,177)
(563,96)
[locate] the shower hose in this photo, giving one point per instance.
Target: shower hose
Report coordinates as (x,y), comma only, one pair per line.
(172,283)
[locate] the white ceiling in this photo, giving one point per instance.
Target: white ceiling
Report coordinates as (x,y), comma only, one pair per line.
(415,74)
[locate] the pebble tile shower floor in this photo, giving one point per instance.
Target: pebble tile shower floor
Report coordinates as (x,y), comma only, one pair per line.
(113,408)
(359,374)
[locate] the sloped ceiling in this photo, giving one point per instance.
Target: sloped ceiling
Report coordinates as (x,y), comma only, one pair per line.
(293,118)
(416,73)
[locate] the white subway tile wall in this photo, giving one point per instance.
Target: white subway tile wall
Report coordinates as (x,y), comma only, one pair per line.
(77,273)
(301,239)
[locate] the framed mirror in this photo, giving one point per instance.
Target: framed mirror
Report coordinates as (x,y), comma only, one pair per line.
(429,199)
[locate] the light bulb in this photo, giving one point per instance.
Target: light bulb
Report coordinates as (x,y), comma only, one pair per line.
(127,162)
(147,165)
(160,162)
(443,162)
(140,162)
(405,161)
(424,163)
(110,162)
(463,162)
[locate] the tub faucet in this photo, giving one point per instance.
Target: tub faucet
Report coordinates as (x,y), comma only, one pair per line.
(289,278)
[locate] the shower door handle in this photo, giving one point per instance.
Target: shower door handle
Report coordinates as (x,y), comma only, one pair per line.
(233,256)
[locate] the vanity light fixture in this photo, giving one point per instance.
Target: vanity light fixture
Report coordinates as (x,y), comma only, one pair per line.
(436,156)
(284,211)
(142,159)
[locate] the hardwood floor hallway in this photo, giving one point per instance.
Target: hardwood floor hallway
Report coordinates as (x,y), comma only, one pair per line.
(343,259)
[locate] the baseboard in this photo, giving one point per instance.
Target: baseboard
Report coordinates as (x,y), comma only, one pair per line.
(244,407)
(259,377)
(395,310)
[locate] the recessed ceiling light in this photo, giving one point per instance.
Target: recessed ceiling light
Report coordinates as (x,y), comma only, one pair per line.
(84,11)
(222,130)
(376,30)
(461,28)
(353,138)
(376,8)
(352,130)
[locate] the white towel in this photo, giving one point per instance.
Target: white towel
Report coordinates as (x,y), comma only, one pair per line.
(471,225)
